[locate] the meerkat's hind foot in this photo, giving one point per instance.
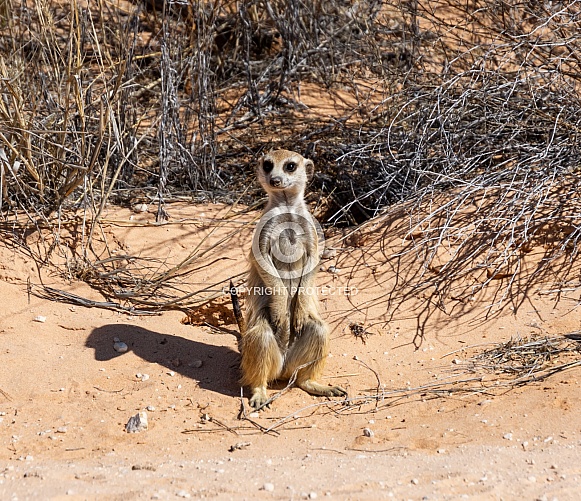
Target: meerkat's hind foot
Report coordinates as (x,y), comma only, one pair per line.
(258,398)
(314,388)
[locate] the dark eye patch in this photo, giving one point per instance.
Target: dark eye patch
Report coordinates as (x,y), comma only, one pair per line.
(267,166)
(290,167)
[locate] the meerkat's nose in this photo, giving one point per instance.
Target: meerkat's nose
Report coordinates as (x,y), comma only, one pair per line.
(275,181)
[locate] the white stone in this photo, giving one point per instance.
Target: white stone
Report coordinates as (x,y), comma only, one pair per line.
(140,207)
(137,423)
(120,347)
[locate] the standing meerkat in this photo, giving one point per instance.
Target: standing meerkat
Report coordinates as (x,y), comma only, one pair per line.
(283,336)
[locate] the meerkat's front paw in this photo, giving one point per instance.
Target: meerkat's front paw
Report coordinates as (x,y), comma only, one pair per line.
(301,318)
(280,322)
(258,398)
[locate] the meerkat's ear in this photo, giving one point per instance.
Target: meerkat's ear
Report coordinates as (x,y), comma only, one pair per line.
(258,165)
(309,169)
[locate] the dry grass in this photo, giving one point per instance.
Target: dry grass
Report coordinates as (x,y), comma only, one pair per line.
(463,117)
(512,364)
(521,361)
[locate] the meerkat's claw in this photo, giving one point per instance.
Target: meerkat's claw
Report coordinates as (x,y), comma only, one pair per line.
(337,391)
(258,398)
(320,390)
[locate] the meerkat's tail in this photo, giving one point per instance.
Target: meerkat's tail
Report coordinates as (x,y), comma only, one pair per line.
(237,311)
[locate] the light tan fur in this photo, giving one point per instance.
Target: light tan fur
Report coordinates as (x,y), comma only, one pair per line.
(284,336)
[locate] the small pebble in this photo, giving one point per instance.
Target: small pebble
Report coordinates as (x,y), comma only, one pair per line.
(367,432)
(137,423)
(254,414)
(144,377)
(312,495)
(268,487)
(196,364)
(333,269)
(415,481)
(183,494)
(61,429)
(171,373)
(140,207)
(39,318)
(116,340)
(120,347)
(507,436)
(150,408)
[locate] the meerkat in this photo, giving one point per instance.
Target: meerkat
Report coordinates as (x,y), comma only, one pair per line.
(283,336)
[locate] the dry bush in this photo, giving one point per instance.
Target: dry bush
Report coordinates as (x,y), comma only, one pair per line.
(474,100)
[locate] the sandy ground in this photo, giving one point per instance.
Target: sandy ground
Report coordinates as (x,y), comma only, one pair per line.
(66,394)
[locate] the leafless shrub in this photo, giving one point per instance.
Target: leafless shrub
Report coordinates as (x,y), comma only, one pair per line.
(463,115)
(526,360)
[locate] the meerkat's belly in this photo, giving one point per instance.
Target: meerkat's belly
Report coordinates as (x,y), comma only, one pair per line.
(290,260)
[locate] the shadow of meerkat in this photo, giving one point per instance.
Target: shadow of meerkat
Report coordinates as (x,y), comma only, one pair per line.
(219,372)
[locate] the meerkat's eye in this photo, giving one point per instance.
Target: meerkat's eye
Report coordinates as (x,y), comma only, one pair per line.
(267,166)
(290,167)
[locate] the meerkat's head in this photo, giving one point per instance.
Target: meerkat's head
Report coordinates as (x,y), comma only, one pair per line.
(284,171)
